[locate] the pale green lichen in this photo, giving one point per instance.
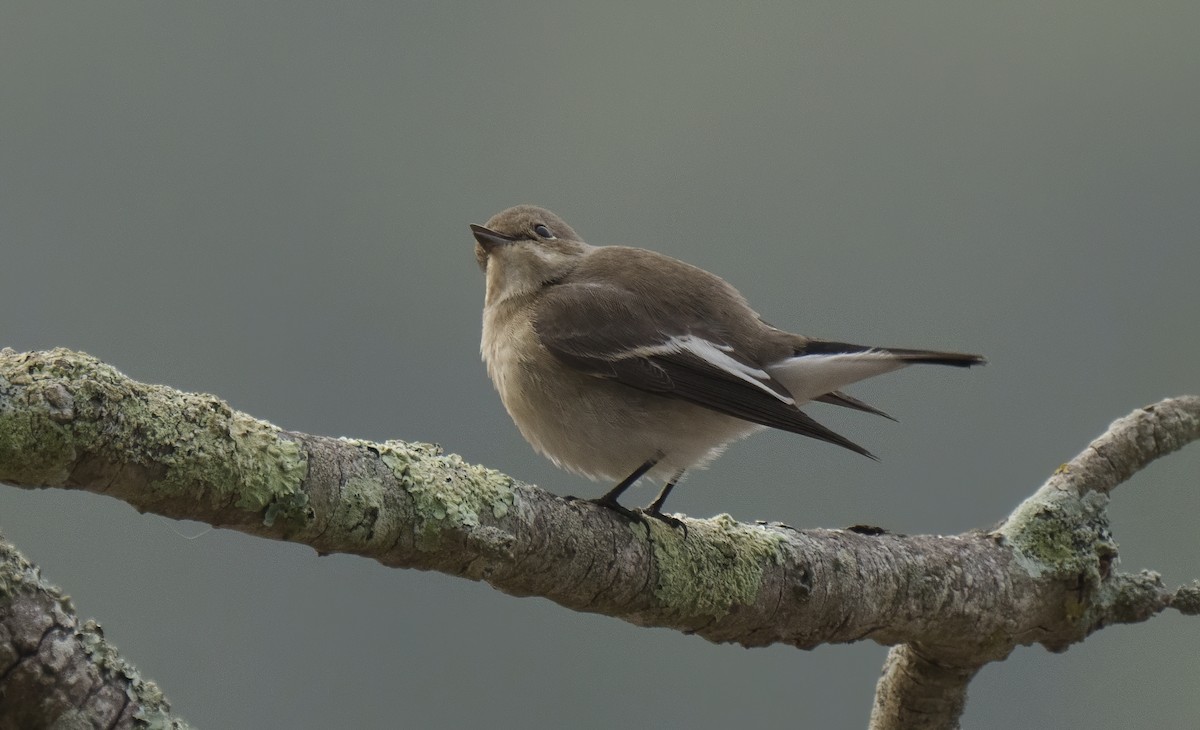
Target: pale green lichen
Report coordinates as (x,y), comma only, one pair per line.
(447,492)
(1059,534)
(199,441)
(34,447)
(17,574)
(56,404)
(153,710)
(1064,536)
(363,505)
(717,566)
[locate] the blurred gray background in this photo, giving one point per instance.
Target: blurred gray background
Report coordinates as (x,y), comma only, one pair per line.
(269,202)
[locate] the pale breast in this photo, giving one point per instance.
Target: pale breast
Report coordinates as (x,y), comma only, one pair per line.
(508,338)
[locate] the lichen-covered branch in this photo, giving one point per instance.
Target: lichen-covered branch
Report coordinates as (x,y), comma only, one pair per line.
(1063,529)
(1060,533)
(954,603)
(57,672)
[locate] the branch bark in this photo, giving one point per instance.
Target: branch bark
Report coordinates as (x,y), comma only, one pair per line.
(948,604)
(58,672)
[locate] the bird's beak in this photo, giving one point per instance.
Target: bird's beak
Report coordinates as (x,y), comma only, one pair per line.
(489,239)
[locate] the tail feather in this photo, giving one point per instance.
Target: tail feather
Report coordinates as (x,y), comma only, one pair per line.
(932,357)
(815,430)
(839,398)
(820,368)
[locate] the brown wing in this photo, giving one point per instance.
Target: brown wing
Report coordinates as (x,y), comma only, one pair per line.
(638,341)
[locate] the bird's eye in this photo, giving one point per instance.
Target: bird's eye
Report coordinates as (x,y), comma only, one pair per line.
(542,231)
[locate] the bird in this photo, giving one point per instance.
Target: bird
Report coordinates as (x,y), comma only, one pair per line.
(619,363)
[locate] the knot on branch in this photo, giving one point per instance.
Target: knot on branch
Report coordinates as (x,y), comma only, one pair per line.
(1186,599)
(1059,534)
(1062,531)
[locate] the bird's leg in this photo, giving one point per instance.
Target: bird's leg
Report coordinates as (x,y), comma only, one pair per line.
(609,500)
(655,508)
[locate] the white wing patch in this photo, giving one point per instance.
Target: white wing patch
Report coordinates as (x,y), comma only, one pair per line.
(716,356)
(812,376)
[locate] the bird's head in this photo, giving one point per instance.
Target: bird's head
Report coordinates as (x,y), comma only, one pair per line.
(523,249)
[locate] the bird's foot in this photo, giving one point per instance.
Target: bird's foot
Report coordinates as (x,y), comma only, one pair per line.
(665,518)
(636,515)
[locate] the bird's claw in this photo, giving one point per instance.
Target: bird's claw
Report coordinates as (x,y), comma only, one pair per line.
(638,515)
(668,519)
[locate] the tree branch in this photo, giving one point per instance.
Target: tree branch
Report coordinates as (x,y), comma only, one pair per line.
(55,672)
(919,692)
(954,603)
(1062,533)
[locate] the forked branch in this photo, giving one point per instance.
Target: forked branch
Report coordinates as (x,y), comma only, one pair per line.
(948,604)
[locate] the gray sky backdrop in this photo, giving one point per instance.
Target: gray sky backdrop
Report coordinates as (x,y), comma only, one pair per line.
(270,201)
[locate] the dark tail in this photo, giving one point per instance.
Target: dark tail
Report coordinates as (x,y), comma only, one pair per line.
(838,398)
(931,357)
